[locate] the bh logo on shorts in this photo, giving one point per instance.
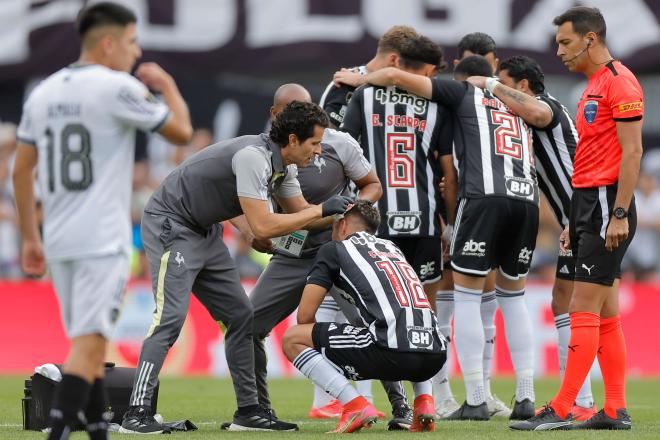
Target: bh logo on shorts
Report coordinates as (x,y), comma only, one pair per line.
(420,337)
(474,248)
(590,111)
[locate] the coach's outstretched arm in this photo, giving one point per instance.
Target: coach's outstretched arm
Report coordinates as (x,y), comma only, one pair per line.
(533,111)
(178,128)
(266,224)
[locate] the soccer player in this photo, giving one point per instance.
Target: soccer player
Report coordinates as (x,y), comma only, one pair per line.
(496,181)
(78,128)
(521,88)
(279,288)
(478,43)
(602,218)
(335,101)
(398,338)
(181,232)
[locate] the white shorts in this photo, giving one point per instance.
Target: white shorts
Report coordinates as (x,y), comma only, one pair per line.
(90,292)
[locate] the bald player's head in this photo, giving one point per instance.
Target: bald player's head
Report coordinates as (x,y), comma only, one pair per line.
(286,94)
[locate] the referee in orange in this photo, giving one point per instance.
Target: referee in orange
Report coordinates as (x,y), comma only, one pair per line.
(602,219)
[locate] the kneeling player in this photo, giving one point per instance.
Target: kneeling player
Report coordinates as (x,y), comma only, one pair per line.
(399,340)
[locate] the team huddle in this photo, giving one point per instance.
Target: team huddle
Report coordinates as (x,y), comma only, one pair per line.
(402,201)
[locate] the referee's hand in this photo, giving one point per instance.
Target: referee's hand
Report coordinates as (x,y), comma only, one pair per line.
(617,232)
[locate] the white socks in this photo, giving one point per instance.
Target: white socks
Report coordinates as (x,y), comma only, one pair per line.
(312,364)
(445,306)
(585,397)
(469,341)
(518,329)
(420,388)
(327,312)
(488,309)
(364,388)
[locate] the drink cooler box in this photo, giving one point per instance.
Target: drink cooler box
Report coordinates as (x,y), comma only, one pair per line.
(39,392)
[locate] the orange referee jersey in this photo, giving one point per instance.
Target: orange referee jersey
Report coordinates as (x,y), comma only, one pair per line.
(612,94)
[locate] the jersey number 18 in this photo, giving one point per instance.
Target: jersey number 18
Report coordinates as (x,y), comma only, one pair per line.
(81,155)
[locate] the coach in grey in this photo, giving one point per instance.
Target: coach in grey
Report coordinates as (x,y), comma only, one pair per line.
(183,241)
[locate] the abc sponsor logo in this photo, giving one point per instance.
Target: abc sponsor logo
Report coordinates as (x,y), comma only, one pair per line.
(427,269)
(420,338)
(525,256)
(474,248)
(403,221)
(520,187)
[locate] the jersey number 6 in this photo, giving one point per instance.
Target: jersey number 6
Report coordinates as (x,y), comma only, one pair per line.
(400,167)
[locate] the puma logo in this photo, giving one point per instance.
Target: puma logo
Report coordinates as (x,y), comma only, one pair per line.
(588,269)
(573,347)
(179,259)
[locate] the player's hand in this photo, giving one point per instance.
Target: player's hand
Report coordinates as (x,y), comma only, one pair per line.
(348,77)
(153,76)
(441,186)
(617,232)
(33,260)
(264,245)
(335,205)
(477,81)
(565,240)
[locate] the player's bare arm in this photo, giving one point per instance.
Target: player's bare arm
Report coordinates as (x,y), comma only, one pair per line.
(178,128)
(369,187)
(312,298)
(629,134)
(32,255)
(450,179)
(534,112)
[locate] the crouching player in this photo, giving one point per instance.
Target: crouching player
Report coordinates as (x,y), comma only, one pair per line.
(399,340)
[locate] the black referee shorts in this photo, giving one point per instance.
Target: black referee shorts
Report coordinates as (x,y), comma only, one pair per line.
(354,351)
(494,232)
(591,210)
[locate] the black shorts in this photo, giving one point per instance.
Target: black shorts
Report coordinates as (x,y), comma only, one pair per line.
(354,351)
(424,254)
(565,265)
(494,232)
(591,210)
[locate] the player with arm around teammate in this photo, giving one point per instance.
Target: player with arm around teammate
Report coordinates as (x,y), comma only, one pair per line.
(78,129)
(398,340)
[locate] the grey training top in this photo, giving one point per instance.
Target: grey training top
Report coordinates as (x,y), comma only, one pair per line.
(341,161)
(205,188)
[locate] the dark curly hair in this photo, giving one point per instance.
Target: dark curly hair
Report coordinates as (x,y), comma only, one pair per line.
(368,214)
(521,67)
(473,65)
(297,118)
(415,52)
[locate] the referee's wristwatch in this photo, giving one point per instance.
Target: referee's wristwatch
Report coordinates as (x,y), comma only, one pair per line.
(620,213)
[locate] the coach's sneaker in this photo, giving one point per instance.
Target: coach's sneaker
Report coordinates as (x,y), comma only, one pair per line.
(445,408)
(357,414)
(330,411)
(602,421)
(583,413)
(402,418)
(545,420)
(140,420)
(470,412)
(497,408)
(522,410)
(423,414)
(260,419)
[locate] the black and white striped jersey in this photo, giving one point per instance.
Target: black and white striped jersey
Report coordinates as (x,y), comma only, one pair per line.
(400,134)
(493,146)
(335,99)
(373,275)
(554,149)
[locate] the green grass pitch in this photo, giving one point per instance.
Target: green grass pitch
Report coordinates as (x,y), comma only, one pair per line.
(208,402)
